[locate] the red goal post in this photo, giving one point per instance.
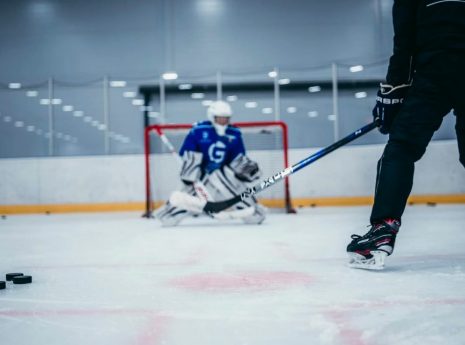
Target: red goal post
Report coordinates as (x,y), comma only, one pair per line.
(266,142)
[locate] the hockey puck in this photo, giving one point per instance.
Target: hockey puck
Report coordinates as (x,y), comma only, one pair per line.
(22,280)
(2,285)
(10,276)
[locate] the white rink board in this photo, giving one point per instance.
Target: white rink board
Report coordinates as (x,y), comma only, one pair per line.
(119,279)
(349,171)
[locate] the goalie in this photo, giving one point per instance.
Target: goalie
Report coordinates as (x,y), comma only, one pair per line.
(215,167)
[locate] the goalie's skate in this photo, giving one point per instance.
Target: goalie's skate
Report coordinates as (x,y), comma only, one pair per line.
(370,250)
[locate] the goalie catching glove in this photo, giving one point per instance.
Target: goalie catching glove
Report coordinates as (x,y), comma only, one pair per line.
(245,169)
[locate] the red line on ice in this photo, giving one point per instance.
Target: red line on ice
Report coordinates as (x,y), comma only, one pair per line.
(154,332)
(240,281)
(349,334)
(191,259)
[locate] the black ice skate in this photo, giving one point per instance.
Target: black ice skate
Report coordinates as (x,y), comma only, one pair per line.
(370,250)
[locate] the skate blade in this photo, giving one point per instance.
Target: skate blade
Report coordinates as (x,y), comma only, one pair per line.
(374,263)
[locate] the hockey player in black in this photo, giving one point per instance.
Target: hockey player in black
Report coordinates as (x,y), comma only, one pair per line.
(424,82)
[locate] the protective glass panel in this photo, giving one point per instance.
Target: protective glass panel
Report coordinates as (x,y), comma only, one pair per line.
(250,94)
(306,105)
(357,86)
(24,120)
(79,124)
(126,115)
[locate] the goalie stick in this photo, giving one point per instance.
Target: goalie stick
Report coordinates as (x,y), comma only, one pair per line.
(210,207)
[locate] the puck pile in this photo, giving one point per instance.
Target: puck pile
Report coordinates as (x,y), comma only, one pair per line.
(16,278)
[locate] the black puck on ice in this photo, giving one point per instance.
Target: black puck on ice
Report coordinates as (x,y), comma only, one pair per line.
(2,285)
(10,276)
(22,280)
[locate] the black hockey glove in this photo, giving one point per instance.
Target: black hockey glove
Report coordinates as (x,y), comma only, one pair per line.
(388,103)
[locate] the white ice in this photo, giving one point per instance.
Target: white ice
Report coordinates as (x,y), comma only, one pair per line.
(121,279)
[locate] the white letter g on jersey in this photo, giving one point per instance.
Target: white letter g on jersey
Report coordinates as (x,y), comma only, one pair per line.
(216,152)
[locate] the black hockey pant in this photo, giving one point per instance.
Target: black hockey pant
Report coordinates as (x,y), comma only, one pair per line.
(438,87)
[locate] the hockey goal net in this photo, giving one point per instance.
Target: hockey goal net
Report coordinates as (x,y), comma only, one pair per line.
(265,142)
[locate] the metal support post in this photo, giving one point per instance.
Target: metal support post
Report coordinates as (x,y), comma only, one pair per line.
(51,130)
(219,86)
(277,104)
(335,101)
(106,115)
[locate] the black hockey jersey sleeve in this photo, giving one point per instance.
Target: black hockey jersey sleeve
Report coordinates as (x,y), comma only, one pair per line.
(401,62)
(424,29)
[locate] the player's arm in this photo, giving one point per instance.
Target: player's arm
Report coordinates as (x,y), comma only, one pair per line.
(401,63)
(391,94)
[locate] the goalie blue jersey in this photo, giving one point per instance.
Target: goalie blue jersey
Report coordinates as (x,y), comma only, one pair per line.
(217,151)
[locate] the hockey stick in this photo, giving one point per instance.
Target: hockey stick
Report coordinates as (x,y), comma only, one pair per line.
(215,207)
(168,145)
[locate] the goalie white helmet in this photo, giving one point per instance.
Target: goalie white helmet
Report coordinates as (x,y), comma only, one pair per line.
(216,111)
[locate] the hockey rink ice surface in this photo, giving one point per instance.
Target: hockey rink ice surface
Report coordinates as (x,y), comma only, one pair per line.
(121,279)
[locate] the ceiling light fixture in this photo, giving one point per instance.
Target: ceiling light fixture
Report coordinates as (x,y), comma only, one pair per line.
(170,76)
(356,68)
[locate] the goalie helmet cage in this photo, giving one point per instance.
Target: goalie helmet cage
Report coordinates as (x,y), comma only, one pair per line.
(266,142)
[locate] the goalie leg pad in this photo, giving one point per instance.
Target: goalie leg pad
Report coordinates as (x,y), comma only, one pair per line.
(170,215)
(223,184)
(258,215)
(234,214)
(219,185)
(187,201)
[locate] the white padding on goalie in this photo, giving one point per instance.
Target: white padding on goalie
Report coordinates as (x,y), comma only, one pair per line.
(223,184)
(187,202)
(245,168)
(235,214)
(191,170)
(201,191)
(194,204)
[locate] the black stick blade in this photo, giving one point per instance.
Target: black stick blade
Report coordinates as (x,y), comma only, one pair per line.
(215,207)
